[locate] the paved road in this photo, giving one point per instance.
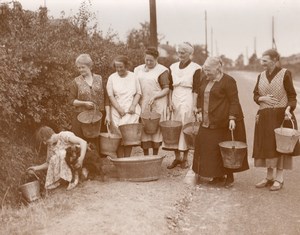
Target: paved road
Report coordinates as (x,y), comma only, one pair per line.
(244,209)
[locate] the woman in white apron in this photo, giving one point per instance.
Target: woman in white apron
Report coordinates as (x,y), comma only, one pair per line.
(154,81)
(185,77)
(124,92)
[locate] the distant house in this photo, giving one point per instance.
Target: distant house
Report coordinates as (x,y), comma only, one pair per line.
(293,59)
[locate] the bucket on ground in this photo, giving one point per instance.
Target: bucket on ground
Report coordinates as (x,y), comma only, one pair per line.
(190,131)
(150,121)
(233,153)
(109,143)
(170,132)
(286,138)
(131,133)
(31,190)
(90,123)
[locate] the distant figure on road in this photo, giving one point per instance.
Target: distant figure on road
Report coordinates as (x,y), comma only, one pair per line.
(275,94)
(221,112)
(154,80)
(185,77)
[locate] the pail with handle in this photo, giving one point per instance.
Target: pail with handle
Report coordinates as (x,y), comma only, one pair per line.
(233,153)
(150,120)
(90,123)
(286,138)
(170,132)
(31,191)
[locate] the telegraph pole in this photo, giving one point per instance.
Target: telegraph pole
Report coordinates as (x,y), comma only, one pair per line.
(273,37)
(153,24)
(206,52)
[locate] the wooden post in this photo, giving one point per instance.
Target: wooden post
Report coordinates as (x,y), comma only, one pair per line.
(153,25)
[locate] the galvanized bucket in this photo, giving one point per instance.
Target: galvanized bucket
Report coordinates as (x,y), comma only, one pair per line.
(286,138)
(171,132)
(31,191)
(233,153)
(131,133)
(190,131)
(109,143)
(90,123)
(150,120)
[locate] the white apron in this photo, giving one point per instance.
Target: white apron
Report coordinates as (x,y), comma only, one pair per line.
(182,96)
(150,85)
(124,89)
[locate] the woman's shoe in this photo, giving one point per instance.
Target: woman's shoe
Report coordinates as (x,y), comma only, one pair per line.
(184,164)
(277,185)
(217,180)
(264,183)
(174,164)
(229,181)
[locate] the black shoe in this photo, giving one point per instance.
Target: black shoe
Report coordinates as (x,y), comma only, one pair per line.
(184,164)
(174,164)
(229,181)
(217,180)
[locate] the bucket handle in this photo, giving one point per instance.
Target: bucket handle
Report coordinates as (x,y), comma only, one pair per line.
(232,138)
(281,126)
(33,172)
(108,130)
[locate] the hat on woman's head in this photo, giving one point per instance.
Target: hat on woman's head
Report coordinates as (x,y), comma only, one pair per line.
(272,53)
(186,46)
(84,59)
(152,51)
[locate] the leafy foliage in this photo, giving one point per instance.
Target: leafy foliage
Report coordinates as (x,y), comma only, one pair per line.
(37,55)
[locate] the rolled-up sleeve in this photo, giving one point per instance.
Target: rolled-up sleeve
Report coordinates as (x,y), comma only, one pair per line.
(109,87)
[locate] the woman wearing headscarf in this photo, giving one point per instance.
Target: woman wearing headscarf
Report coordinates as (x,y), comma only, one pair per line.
(275,94)
(154,83)
(184,78)
(221,112)
(124,92)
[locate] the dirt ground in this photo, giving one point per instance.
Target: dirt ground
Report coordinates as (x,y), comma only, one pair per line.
(171,205)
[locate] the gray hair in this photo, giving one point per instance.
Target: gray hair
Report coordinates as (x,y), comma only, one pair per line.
(84,59)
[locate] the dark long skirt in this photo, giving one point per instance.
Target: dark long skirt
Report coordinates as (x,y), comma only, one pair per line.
(207,156)
(264,145)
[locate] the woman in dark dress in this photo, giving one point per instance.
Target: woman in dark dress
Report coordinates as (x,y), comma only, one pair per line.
(221,111)
(275,94)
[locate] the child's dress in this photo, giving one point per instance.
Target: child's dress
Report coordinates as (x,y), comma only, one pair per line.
(57,166)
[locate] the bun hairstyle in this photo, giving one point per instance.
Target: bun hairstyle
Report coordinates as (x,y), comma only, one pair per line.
(152,51)
(273,54)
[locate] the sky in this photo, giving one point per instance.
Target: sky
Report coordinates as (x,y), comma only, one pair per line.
(234,27)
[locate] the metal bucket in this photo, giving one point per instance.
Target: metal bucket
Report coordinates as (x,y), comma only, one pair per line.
(150,120)
(138,168)
(131,133)
(190,131)
(31,191)
(109,143)
(233,153)
(286,138)
(90,123)
(171,132)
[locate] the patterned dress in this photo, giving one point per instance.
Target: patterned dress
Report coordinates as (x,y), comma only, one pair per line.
(279,84)
(57,166)
(81,90)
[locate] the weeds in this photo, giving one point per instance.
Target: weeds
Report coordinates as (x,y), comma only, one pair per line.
(35,216)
